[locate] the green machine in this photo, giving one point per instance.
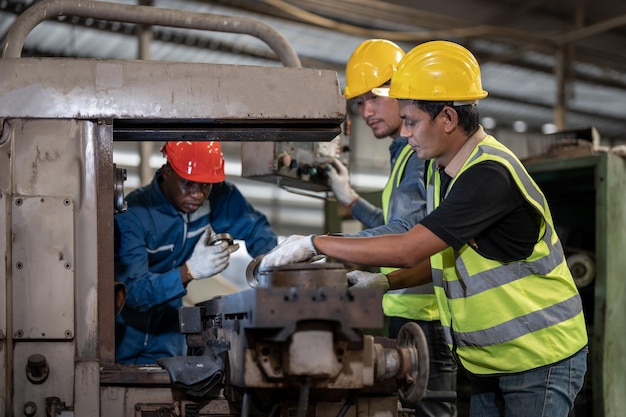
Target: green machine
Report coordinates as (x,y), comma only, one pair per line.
(588,203)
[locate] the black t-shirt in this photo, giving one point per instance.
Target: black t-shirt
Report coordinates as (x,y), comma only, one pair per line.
(486,205)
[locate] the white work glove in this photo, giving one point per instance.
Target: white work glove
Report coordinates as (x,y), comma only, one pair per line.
(364,279)
(339,182)
(295,248)
(206,261)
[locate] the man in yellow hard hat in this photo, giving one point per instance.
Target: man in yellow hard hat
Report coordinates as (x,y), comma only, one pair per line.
(161,245)
(371,65)
(511,312)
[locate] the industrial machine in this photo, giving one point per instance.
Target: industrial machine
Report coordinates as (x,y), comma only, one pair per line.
(295,342)
(299,167)
(588,206)
(280,348)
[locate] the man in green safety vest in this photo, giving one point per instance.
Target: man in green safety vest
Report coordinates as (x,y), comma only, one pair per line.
(511,312)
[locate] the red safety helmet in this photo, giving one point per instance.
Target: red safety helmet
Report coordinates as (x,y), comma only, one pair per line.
(196,161)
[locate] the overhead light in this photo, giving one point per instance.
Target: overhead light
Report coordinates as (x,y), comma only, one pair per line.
(548,128)
(488,123)
(368,181)
(156,161)
(126,159)
(520,127)
(232,168)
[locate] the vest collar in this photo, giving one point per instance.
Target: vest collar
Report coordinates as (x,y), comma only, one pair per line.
(455,165)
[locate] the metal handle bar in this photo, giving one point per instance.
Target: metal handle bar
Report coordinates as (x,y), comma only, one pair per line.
(47,9)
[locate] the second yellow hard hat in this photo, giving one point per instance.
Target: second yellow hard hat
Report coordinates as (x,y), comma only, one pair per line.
(371,65)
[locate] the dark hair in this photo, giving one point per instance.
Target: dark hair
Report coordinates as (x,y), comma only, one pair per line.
(468,113)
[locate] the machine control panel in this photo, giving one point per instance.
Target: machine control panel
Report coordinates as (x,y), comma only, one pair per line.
(294,165)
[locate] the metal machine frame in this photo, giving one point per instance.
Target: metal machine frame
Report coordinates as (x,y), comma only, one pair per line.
(59,190)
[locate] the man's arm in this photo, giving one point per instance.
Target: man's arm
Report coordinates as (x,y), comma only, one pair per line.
(400,278)
(407,205)
(405,250)
(185,275)
(144,288)
(232,213)
(419,274)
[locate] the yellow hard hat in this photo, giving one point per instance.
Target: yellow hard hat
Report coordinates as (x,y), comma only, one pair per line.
(371,65)
(436,71)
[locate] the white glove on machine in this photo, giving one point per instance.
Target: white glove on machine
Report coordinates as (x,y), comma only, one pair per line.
(364,279)
(206,261)
(339,181)
(296,248)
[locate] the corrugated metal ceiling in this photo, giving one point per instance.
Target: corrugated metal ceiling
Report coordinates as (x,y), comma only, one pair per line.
(515,42)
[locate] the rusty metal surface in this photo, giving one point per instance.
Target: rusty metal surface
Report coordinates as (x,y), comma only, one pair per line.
(305,329)
(125,400)
(134,375)
(283,307)
(294,165)
(43,267)
(304,322)
(6,347)
(246,99)
(54,299)
(59,357)
(413,378)
(105,242)
(302,275)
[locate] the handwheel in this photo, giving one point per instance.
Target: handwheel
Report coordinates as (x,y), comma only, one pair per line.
(411,389)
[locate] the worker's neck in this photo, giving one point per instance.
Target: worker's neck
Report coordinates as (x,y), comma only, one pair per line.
(453,164)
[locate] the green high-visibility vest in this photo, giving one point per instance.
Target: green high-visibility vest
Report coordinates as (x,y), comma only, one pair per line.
(505,317)
(416,303)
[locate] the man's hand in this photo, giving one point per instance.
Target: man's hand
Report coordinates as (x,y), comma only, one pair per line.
(206,261)
(295,248)
(364,279)
(339,182)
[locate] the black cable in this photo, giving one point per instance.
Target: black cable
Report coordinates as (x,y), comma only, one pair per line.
(347,404)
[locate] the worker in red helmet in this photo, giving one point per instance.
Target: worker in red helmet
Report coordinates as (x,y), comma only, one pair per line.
(161,245)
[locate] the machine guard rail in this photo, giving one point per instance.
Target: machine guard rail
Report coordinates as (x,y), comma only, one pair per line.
(48,9)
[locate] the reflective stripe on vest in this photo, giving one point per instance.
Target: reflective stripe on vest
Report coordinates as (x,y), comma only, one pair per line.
(417,303)
(507,317)
(395,178)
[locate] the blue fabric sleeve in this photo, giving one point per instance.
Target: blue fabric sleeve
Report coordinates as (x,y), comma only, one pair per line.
(233,214)
(406,208)
(144,289)
(367,213)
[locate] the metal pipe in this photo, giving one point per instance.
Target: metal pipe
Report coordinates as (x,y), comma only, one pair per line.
(245,405)
(145,171)
(144,38)
(47,9)
(303,403)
